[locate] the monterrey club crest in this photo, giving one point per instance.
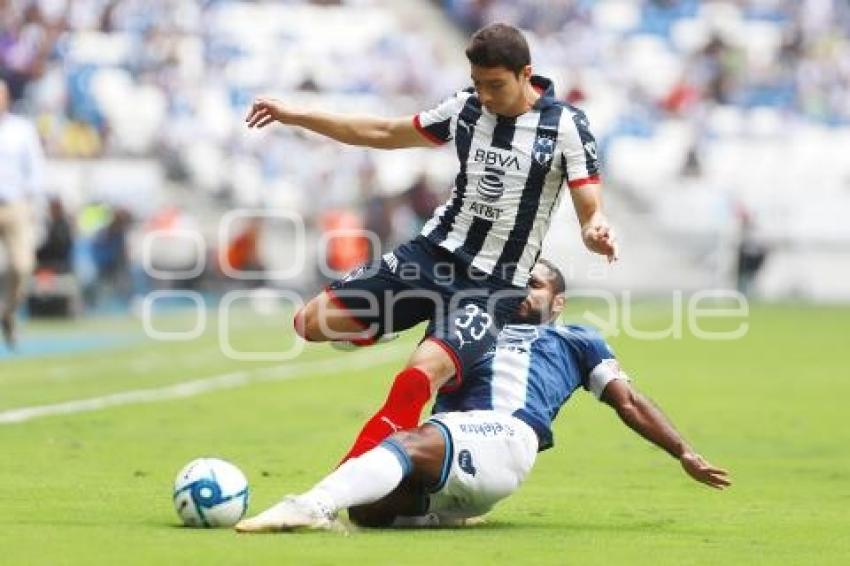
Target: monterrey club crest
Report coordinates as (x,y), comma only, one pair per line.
(544,149)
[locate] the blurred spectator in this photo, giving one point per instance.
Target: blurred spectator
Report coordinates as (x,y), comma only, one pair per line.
(56,253)
(243,251)
(111,258)
(346,246)
(721,68)
(26,39)
(175,245)
(751,254)
(790,55)
(377,209)
(576,93)
(422,200)
(692,167)
(55,290)
(21,178)
(681,99)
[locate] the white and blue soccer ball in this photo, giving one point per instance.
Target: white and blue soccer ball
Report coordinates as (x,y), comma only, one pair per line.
(210,492)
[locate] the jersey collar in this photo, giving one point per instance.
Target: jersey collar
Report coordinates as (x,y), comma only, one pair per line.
(546,89)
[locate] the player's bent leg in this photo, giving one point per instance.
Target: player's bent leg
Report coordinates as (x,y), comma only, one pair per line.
(436,361)
(465,333)
(428,369)
(323,318)
(425,448)
(408,395)
(382,513)
(359,481)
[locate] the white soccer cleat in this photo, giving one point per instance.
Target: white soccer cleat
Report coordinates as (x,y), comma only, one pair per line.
(292,513)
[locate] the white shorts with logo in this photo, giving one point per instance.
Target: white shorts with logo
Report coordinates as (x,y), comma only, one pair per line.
(488,456)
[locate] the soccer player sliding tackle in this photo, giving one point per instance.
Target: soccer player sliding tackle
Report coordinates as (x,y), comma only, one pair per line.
(516,145)
(483,438)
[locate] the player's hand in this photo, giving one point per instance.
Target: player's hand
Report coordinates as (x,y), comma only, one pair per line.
(599,238)
(264,111)
(698,468)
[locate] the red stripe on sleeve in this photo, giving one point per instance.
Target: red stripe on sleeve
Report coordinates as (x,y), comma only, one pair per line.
(425,133)
(582,182)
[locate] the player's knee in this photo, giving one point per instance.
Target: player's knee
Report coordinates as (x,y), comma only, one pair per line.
(422,448)
(434,362)
(299,322)
(306,324)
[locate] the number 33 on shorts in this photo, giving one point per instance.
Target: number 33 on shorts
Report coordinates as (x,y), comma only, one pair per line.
(472,325)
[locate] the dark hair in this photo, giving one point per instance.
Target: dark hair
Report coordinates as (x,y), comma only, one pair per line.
(556,277)
(499,45)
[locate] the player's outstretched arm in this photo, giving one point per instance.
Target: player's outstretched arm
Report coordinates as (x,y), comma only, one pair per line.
(368,131)
(596,232)
(646,419)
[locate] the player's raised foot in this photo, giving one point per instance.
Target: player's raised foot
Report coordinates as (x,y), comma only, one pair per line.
(350,345)
(293,513)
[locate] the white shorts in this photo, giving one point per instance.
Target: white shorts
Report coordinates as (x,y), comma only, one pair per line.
(488,455)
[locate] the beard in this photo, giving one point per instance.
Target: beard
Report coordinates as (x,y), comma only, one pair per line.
(527,314)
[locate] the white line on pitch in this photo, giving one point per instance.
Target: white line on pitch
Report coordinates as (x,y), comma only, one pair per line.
(186,389)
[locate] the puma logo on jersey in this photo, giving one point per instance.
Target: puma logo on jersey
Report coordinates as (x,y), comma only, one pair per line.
(490,157)
(460,339)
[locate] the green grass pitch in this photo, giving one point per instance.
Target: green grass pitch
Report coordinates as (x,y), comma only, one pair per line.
(94,487)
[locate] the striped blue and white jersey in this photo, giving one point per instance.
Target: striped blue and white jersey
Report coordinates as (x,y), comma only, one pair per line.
(532,372)
(511,175)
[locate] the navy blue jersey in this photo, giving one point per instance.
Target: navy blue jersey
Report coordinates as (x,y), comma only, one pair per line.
(532,372)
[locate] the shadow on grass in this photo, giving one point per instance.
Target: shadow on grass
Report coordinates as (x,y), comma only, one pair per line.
(660,525)
(495,526)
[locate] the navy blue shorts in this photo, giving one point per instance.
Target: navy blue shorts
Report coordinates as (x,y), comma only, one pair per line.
(421,281)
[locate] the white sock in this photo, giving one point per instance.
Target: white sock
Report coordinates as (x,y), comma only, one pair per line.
(362,480)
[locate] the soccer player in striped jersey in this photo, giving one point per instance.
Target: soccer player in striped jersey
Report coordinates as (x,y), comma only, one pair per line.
(466,273)
(483,439)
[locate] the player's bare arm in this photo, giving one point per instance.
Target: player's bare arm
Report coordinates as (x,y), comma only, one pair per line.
(368,131)
(596,232)
(642,416)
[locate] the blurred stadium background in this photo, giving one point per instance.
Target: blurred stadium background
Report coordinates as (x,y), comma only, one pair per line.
(723,127)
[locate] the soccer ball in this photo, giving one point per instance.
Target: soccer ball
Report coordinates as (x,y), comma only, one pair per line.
(210,492)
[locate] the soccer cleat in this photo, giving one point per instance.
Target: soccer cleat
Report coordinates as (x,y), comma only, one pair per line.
(351,345)
(293,513)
